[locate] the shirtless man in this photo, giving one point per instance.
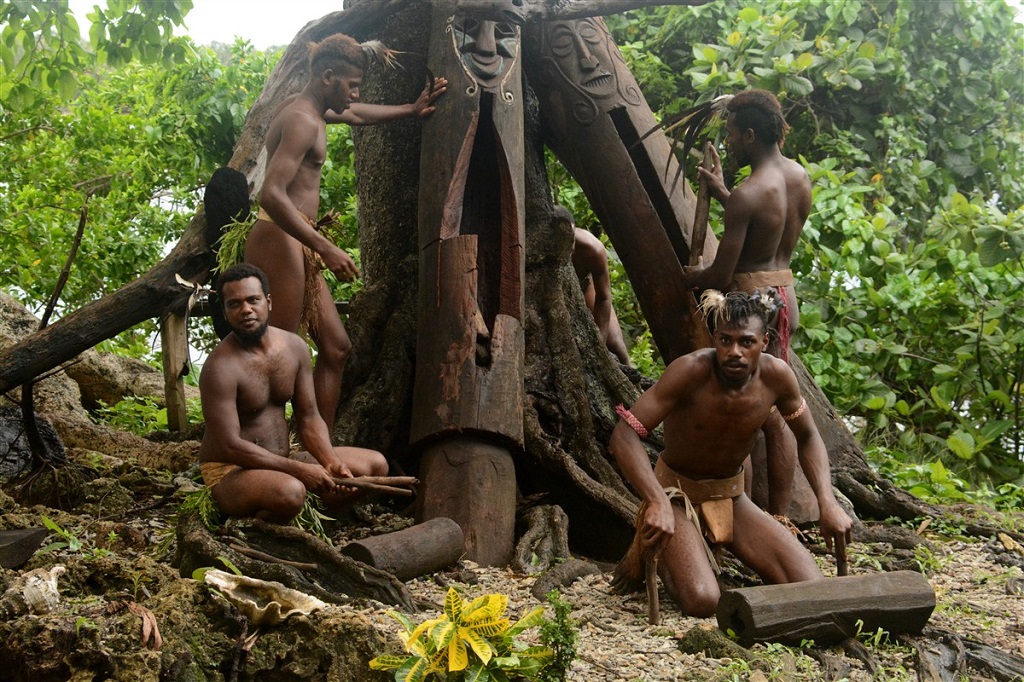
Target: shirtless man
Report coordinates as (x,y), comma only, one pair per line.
(713,402)
(245,383)
(764,217)
(590,260)
(284,241)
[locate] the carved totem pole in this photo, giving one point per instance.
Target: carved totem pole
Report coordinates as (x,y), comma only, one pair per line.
(593,113)
(467,405)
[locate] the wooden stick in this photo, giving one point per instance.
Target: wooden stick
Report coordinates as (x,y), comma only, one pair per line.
(262,556)
(651,579)
(362,484)
(703,210)
(390,480)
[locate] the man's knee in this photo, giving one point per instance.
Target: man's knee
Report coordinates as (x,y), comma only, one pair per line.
(697,600)
(378,464)
(285,501)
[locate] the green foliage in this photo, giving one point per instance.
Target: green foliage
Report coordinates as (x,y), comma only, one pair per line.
(134,153)
(69,542)
(311,517)
(470,641)
(42,53)
(906,116)
(201,504)
(142,415)
(561,635)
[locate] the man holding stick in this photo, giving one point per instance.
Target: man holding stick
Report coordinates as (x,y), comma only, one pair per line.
(713,403)
(245,383)
(764,217)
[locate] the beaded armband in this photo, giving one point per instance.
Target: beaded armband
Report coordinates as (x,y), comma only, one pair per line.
(633,422)
(799,411)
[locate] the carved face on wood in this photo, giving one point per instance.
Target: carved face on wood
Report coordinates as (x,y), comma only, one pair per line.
(584,55)
(488,48)
(581,51)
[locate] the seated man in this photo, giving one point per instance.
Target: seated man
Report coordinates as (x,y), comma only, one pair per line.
(713,402)
(245,383)
(590,261)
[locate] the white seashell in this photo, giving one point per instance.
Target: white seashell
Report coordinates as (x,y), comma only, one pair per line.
(34,592)
(262,602)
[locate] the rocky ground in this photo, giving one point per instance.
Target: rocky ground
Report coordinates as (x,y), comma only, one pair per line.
(118,546)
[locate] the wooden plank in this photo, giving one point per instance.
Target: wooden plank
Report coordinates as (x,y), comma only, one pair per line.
(174,351)
(828,610)
(409,553)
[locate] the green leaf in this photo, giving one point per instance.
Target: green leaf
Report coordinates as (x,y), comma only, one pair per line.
(961,444)
(749,15)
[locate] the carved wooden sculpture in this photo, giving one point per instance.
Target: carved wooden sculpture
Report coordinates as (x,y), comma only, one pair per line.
(593,112)
(467,407)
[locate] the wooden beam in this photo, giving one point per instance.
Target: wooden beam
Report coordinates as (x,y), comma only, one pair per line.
(174,352)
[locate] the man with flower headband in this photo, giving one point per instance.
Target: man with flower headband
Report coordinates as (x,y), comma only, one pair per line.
(285,242)
(713,402)
(764,217)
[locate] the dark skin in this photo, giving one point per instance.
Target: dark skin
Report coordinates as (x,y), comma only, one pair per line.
(764,217)
(590,261)
(245,384)
(296,150)
(713,402)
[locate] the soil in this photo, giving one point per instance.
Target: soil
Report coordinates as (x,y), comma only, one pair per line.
(118,547)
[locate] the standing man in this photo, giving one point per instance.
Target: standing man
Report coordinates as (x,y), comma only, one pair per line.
(713,402)
(285,241)
(764,217)
(590,261)
(245,383)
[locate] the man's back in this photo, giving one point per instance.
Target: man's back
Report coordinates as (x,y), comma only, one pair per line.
(781,191)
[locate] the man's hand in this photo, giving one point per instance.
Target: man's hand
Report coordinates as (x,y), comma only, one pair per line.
(316,479)
(836,527)
(714,176)
(341,264)
(423,106)
(658,526)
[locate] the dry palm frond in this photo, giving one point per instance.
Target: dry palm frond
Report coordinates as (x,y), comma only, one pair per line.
(685,126)
(376,50)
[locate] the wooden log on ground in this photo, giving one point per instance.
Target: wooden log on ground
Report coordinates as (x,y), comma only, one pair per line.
(18,546)
(562,575)
(828,611)
(414,551)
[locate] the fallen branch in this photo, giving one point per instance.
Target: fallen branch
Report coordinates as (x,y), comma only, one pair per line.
(379,484)
(263,556)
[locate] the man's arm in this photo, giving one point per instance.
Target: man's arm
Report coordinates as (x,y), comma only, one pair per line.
(218,387)
(835,524)
(739,211)
(651,409)
(299,134)
(363,114)
(310,425)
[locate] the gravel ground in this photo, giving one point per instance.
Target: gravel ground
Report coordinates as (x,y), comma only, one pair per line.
(976,596)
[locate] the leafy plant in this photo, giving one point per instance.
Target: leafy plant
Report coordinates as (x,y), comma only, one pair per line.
(200,503)
(311,517)
(70,542)
(473,641)
(561,635)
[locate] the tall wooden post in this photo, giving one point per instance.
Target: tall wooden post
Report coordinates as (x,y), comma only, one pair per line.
(592,113)
(467,411)
(174,351)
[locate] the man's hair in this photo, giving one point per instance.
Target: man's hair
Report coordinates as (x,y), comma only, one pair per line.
(762,113)
(735,307)
(239,272)
(562,212)
(336,52)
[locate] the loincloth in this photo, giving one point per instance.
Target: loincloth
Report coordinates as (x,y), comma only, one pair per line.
(214,472)
(313,265)
(708,503)
(776,280)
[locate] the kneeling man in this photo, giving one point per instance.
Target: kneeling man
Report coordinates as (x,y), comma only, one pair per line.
(245,384)
(713,403)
